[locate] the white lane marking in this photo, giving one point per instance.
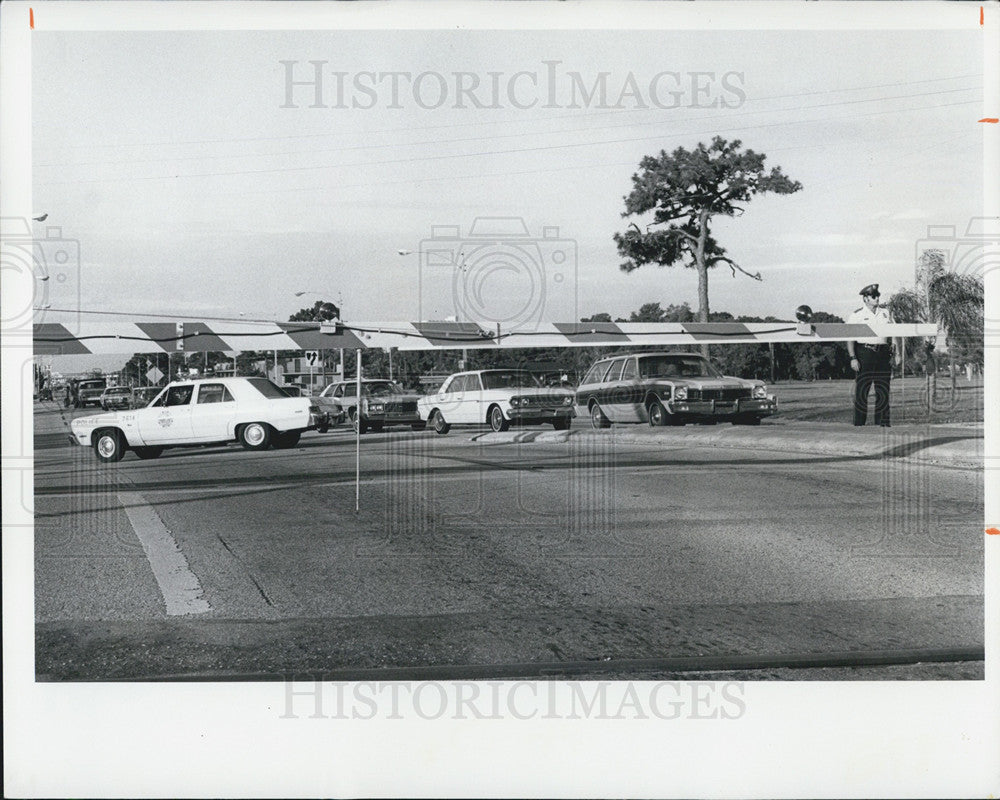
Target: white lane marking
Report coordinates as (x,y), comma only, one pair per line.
(179,586)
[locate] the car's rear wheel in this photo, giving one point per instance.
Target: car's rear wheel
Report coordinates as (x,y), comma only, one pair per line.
(147,452)
(255,436)
(597,418)
(109,446)
(360,426)
(438,421)
(498,421)
(286,440)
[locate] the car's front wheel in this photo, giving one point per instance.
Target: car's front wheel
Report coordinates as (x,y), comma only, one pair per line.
(359,425)
(657,414)
(147,452)
(498,422)
(255,436)
(597,418)
(438,421)
(109,446)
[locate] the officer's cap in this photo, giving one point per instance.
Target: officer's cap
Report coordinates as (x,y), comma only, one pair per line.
(871,290)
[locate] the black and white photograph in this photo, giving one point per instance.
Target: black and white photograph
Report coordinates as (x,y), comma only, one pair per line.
(500,399)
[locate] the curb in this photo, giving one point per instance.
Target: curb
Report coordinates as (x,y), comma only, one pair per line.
(961,447)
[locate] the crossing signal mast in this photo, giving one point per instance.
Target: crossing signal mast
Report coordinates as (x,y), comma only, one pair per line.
(117,336)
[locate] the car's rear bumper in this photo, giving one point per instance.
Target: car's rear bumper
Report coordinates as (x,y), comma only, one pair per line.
(763,407)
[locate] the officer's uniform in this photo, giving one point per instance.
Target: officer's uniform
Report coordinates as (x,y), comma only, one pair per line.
(874,355)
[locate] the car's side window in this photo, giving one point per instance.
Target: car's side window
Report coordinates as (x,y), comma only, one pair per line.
(179,395)
(473,383)
(214,393)
(594,374)
(631,371)
(616,370)
(458,384)
(339,391)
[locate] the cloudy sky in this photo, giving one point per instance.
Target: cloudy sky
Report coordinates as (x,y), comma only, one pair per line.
(200,183)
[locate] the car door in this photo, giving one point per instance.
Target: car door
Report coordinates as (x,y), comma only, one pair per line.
(453,400)
(632,393)
(612,398)
(213,410)
(474,408)
(169,421)
(590,385)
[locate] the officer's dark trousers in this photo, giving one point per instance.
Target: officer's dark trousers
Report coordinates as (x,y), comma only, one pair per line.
(875,370)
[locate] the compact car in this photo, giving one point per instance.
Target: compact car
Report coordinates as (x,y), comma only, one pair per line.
(89,392)
(669,389)
(116,397)
(498,398)
(251,411)
(383,403)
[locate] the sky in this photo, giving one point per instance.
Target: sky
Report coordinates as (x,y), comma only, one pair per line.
(200,183)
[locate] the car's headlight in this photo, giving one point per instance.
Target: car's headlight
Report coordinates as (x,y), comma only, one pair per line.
(515,402)
(680,393)
(376,408)
(567,401)
(760,392)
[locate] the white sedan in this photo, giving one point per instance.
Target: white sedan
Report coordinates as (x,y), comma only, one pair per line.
(496,397)
(252,411)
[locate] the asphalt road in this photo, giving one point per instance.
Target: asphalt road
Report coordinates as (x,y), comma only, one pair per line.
(467,558)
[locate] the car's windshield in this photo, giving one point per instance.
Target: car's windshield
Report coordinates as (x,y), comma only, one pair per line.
(512,379)
(676,366)
(381,389)
(371,389)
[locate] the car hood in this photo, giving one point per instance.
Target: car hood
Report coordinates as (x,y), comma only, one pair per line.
(554,391)
(725,382)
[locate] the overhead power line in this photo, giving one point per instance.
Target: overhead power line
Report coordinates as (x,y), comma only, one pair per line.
(538,148)
(438,142)
(493,123)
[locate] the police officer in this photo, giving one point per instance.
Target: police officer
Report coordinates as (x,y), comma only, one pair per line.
(871,359)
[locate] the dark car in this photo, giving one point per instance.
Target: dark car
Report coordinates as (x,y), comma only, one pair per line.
(669,389)
(89,392)
(383,403)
